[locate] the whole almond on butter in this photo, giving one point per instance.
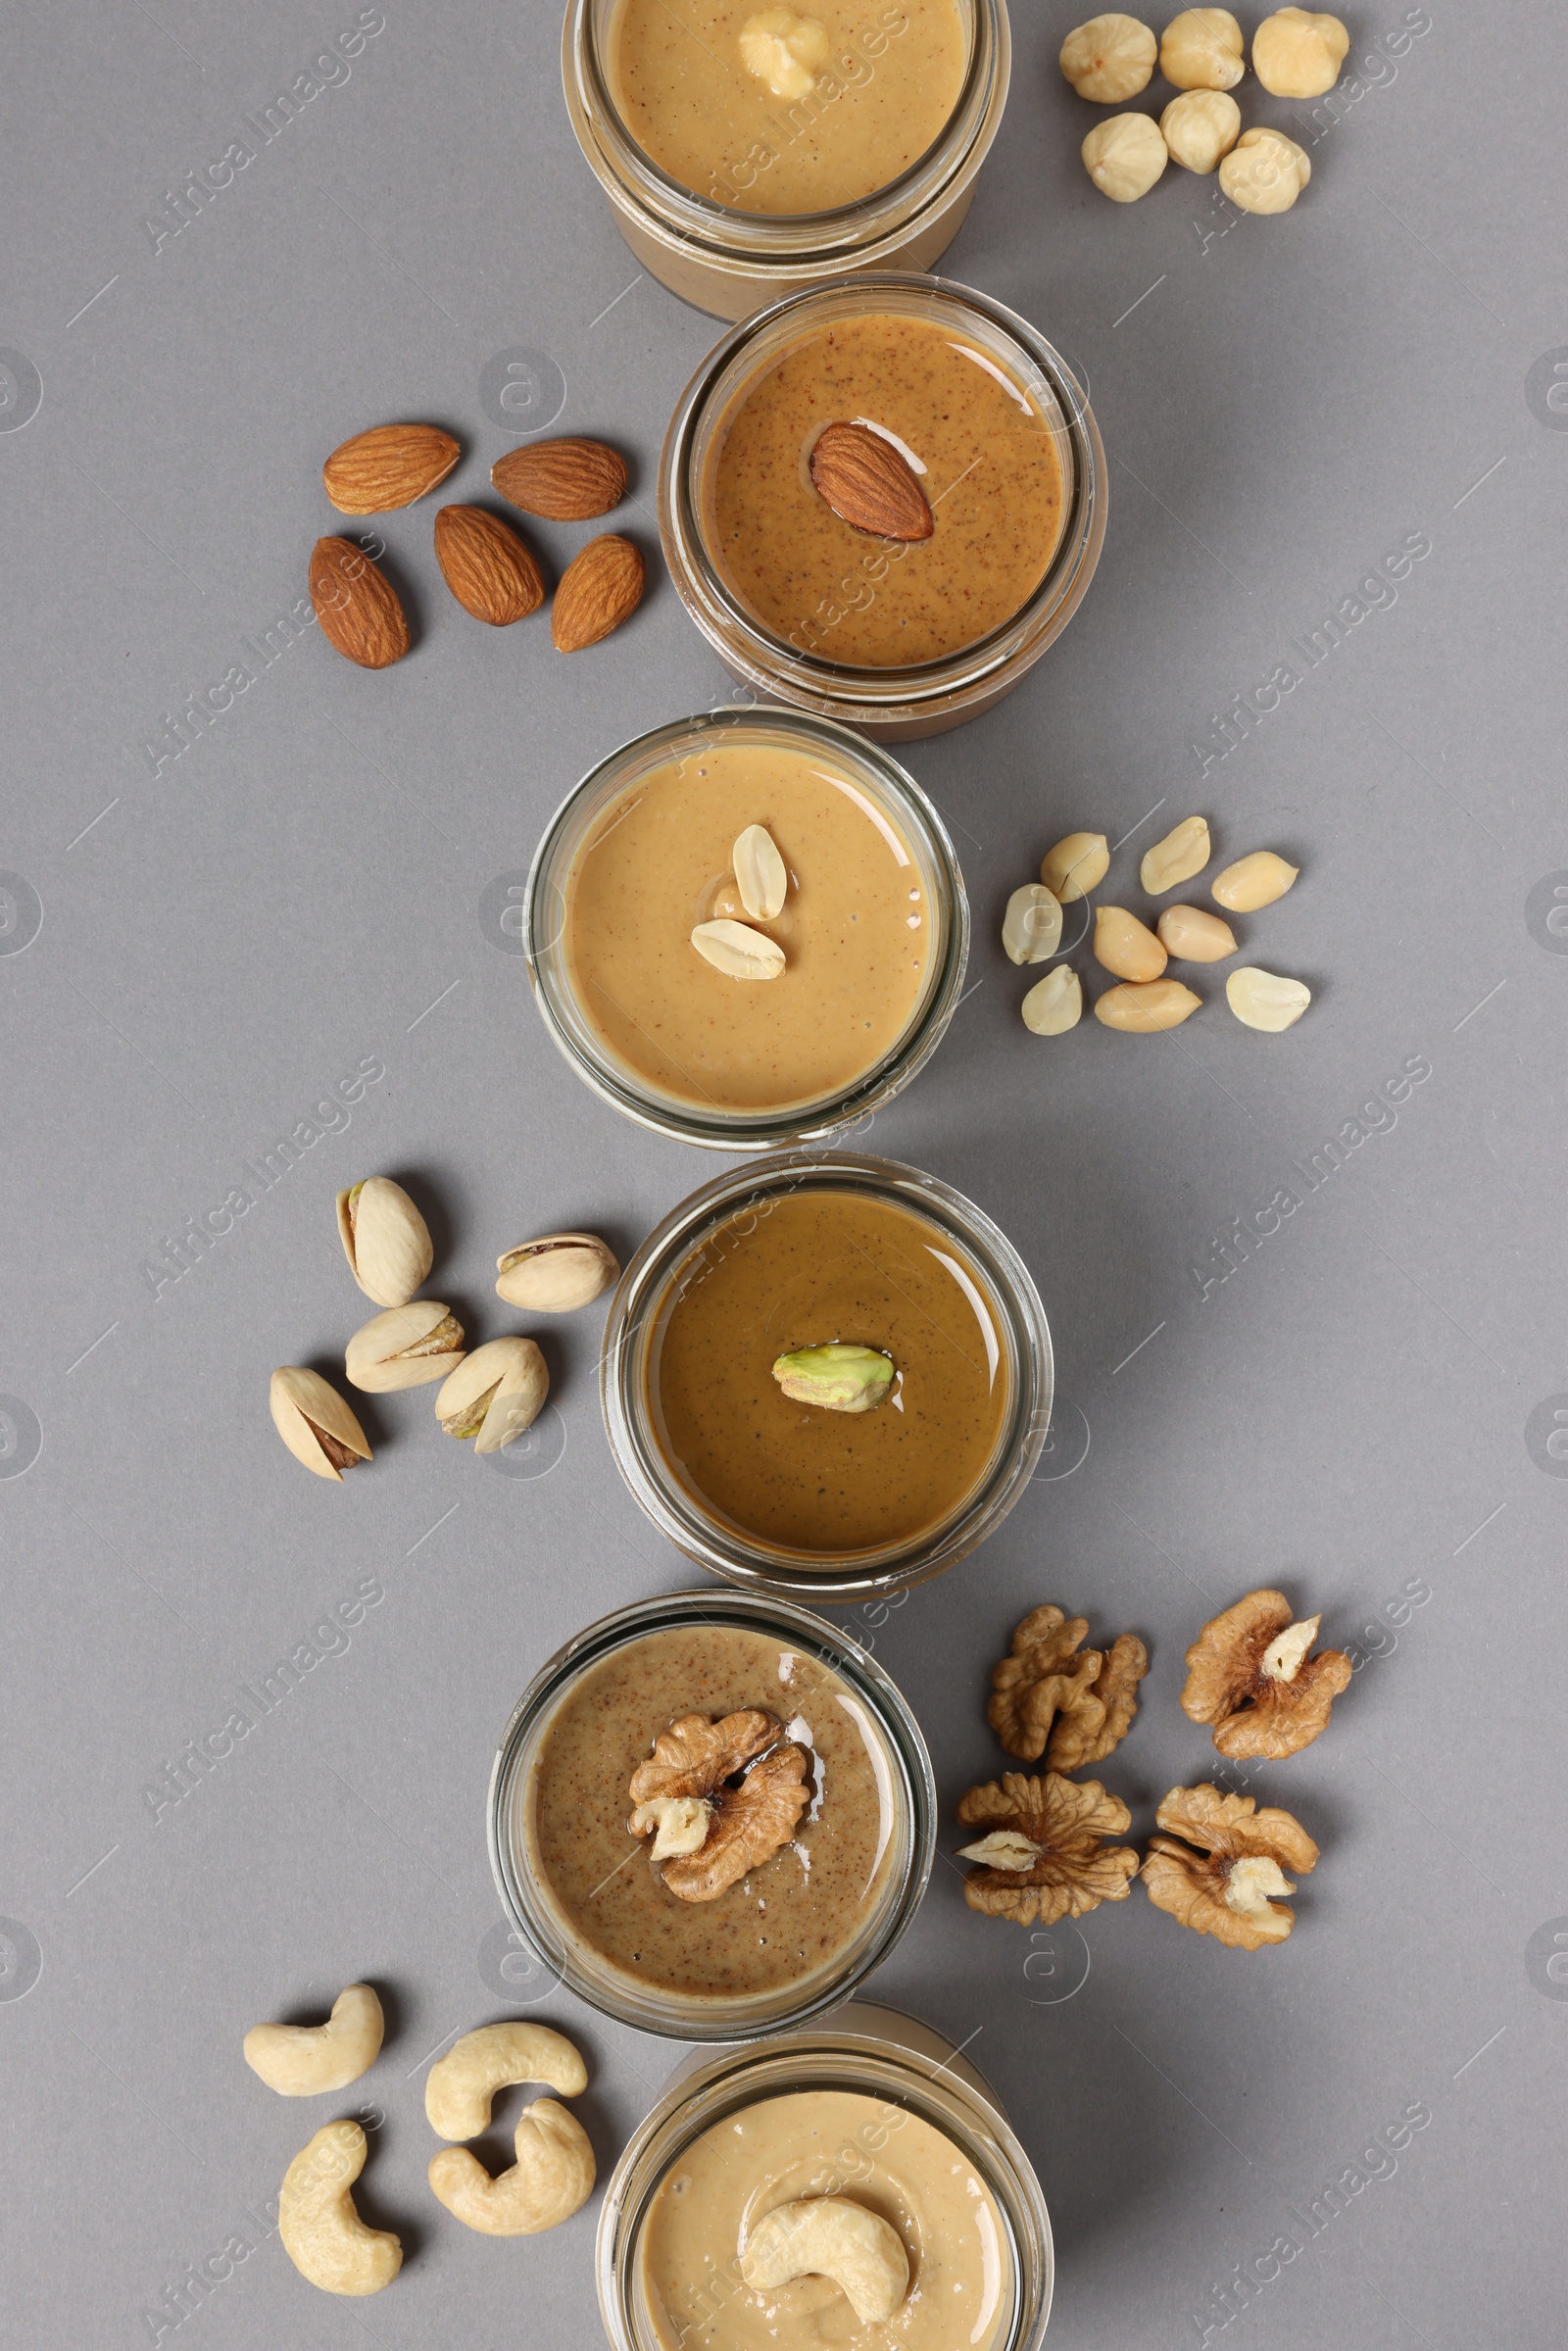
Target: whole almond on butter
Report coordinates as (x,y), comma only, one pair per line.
(388,467)
(357,606)
(486,565)
(564,481)
(600,589)
(869,485)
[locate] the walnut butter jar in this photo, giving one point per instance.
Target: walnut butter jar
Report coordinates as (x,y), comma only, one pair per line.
(868,941)
(759,2152)
(747,152)
(738,1460)
(711,1815)
(900,636)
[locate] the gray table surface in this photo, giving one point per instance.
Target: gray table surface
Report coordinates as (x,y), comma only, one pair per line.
(195,949)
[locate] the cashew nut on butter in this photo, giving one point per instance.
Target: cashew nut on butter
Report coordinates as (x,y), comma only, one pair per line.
(1252,882)
(1201,50)
(1124,156)
(322,2234)
(552,2178)
(1297,54)
(1055,1004)
(1076,866)
(828,2237)
(1264,171)
(459,2087)
(301,2061)
(1109,58)
(1199,127)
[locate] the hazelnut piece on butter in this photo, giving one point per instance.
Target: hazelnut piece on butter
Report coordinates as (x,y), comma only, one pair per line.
(784,50)
(840,1378)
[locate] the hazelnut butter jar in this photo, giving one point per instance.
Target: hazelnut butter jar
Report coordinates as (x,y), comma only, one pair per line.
(711,1815)
(831,989)
(747,151)
(826,1376)
(854,2181)
(912,608)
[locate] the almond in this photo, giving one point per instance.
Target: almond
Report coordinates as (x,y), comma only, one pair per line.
(390,465)
(565,481)
(357,606)
(486,565)
(599,590)
(869,485)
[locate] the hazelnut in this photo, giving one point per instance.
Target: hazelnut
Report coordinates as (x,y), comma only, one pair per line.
(1109,58)
(1124,156)
(1201,50)
(1264,171)
(1198,128)
(1298,53)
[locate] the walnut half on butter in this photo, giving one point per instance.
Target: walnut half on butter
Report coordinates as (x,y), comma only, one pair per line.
(1042,1855)
(1227,1887)
(721,1796)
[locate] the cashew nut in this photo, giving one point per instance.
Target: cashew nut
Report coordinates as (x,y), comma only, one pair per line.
(828,2237)
(300,2061)
(553,2175)
(322,2234)
(459,2087)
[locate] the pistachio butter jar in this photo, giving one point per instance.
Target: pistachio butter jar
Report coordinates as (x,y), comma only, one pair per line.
(805,1920)
(863,2104)
(708,227)
(781,1495)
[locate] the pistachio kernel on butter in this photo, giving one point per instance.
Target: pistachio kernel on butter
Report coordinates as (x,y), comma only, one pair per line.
(840,1378)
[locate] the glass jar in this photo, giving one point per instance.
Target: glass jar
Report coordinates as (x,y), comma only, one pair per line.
(877,2052)
(731,262)
(906,1834)
(893,799)
(928,698)
(673,1254)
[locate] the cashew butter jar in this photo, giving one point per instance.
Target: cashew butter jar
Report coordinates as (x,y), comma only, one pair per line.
(881,502)
(711,1815)
(854,2180)
(747,151)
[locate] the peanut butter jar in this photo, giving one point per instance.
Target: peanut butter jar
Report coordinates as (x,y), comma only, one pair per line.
(738,174)
(899,638)
(865,2105)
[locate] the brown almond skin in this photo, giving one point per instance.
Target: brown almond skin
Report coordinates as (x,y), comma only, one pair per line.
(388,467)
(357,606)
(564,481)
(599,590)
(490,572)
(869,485)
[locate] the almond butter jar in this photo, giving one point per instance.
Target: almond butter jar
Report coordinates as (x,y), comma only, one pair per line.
(868,2106)
(798,596)
(815,1850)
(749,152)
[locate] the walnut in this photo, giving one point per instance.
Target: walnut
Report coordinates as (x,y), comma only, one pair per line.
(1042,1857)
(737,1780)
(1225,1889)
(1042,1691)
(1249,1674)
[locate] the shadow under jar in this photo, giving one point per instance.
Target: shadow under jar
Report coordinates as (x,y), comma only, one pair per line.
(808,1921)
(791,1498)
(740,167)
(867,2105)
(900,638)
(873,930)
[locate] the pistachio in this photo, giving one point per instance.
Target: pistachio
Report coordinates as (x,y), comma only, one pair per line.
(495,1394)
(406,1346)
(315,1423)
(1265,1001)
(737,951)
(1194,937)
(557,1274)
(1075,866)
(1254,882)
(1126,945)
(1143,1009)
(761,873)
(1031,928)
(1055,1004)
(1184,851)
(841,1378)
(385,1239)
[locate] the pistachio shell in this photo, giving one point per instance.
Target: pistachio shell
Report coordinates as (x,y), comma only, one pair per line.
(495,1394)
(406,1346)
(840,1378)
(558,1274)
(305,1410)
(385,1239)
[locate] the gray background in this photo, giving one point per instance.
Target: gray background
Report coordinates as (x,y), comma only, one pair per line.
(305,887)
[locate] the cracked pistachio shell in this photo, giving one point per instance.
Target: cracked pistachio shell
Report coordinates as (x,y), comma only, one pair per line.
(1031,928)
(557,1274)
(406,1346)
(840,1378)
(495,1394)
(315,1423)
(759,873)
(385,1239)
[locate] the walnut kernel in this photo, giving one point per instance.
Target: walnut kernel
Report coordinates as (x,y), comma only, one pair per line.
(685,1786)
(1067,1869)
(1249,1674)
(1227,1887)
(1048,1701)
